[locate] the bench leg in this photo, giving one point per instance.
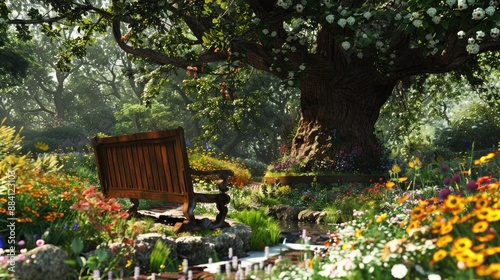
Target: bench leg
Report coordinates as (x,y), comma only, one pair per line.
(132,210)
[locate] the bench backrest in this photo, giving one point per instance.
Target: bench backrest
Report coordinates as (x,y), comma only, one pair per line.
(150,165)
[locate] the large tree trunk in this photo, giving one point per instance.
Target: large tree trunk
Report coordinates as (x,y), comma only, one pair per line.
(337,123)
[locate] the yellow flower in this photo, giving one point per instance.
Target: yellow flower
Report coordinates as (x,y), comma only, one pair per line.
(454,202)
(446,228)
(417,213)
(461,244)
(439,255)
(474,259)
(493,215)
(480,226)
(415,163)
(402,179)
(396,168)
(381,218)
(389,185)
(359,233)
(444,240)
(483,270)
(129,263)
(495,270)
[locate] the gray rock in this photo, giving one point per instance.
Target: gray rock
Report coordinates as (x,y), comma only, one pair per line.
(195,249)
(285,212)
(144,245)
(236,237)
(308,215)
(48,263)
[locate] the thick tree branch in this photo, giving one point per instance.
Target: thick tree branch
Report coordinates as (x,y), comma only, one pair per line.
(164,59)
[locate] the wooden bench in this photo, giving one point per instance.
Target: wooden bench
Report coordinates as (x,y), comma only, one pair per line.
(154,165)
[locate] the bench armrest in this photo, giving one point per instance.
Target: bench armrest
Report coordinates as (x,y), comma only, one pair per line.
(223,183)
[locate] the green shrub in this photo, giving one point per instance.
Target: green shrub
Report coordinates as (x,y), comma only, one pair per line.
(265,230)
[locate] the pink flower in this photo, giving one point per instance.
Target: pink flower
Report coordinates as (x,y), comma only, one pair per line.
(21,258)
(40,242)
(21,243)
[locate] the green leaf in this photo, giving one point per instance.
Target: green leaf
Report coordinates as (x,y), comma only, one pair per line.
(102,255)
(77,245)
(81,261)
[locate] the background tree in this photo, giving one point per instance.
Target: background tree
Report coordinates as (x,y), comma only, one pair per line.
(346,57)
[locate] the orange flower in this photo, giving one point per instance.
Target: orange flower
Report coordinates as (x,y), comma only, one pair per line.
(444,240)
(439,255)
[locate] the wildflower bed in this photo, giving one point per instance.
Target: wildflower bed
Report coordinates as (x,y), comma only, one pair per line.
(436,221)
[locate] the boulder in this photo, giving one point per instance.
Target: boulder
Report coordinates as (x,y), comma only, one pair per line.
(144,245)
(237,237)
(42,263)
(285,212)
(195,249)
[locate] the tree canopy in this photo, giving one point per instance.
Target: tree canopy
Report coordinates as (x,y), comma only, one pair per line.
(346,57)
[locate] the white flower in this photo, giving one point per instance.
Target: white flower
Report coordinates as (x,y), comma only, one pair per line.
(494,32)
(462,5)
(417,23)
(461,34)
(350,20)
(434,277)
(429,36)
(330,18)
(379,44)
(360,55)
(299,8)
(472,48)
(367,15)
(346,45)
(431,11)
(342,22)
(302,67)
(471,41)
(273,34)
(398,16)
(436,19)
(290,82)
(451,3)
(478,14)
(265,31)
(480,35)
(399,271)
(490,10)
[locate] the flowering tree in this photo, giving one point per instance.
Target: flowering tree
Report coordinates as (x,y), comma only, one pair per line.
(345,56)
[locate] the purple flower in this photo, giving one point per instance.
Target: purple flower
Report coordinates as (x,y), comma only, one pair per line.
(447,181)
(444,193)
(444,167)
(471,186)
(456,178)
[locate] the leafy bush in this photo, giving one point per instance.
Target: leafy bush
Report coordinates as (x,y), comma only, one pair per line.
(265,230)
(202,159)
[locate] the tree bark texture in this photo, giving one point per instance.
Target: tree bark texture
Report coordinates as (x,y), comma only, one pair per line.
(337,122)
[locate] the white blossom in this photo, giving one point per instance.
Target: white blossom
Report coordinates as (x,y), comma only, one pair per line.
(494,32)
(302,67)
(342,22)
(461,34)
(434,276)
(471,40)
(462,5)
(360,55)
(478,14)
(451,3)
(399,271)
(350,20)
(472,48)
(417,23)
(290,82)
(398,16)
(431,11)
(330,18)
(414,15)
(346,45)
(367,15)
(480,35)
(299,8)
(436,19)
(429,36)
(265,31)
(490,10)
(273,34)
